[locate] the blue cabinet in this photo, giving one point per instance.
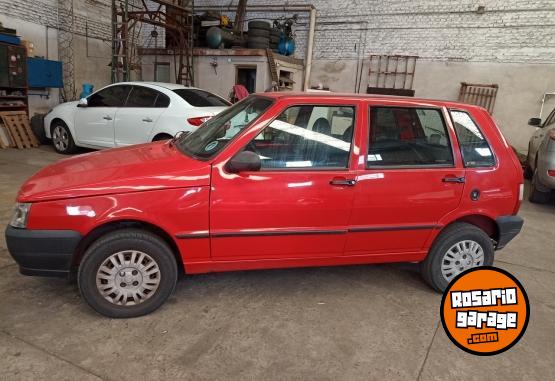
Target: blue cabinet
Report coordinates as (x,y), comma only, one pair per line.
(43,73)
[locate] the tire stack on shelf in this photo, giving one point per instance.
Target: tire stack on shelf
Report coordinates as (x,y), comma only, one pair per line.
(274,38)
(259,35)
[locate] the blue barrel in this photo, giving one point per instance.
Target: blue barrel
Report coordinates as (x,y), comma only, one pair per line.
(87,90)
(286,46)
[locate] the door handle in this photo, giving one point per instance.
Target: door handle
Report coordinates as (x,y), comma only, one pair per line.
(454,179)
(341,181)
(148,120)
(107,117)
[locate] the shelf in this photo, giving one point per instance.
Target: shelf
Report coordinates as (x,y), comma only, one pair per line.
(13,96)
(3,107)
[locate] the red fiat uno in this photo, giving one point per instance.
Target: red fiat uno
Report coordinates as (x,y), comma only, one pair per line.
(277,180)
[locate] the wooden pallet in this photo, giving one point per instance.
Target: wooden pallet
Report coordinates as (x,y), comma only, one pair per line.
(19,130)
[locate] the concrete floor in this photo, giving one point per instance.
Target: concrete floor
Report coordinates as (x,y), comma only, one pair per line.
(353,323)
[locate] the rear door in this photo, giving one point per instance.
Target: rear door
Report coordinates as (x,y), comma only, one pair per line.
(94,124)
(410,178)
(136,120)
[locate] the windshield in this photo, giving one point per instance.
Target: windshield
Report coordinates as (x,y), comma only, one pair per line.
(212,136)
(201,98)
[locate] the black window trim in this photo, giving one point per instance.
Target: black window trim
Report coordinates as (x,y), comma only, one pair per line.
(441,110)
(312,169)
(495,161)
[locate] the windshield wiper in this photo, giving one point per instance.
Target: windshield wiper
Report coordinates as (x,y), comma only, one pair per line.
(175,137)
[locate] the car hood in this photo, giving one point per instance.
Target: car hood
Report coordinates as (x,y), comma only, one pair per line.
(144,167)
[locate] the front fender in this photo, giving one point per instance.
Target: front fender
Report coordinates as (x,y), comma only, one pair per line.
(181,212)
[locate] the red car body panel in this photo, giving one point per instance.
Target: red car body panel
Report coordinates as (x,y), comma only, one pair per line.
(269,219)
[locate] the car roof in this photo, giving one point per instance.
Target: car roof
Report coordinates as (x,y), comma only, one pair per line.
(169,86)
(369,97)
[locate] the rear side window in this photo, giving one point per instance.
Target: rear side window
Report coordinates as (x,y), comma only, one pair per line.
(142,97)
(475,149)
(201,98)
(408,137)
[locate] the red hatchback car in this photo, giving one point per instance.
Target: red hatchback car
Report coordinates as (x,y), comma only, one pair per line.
(277,180)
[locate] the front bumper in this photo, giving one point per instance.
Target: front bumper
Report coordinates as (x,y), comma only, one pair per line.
(508,227)
(42,252)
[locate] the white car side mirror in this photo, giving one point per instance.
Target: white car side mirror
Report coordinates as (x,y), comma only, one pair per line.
(83,102)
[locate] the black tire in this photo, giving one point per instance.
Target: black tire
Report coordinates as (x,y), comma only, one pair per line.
(259,33)
(536,196)
(258,40)
(528,173)
(160,137)
(430,268)
(37,126)
(258,46)
(259,25)
(69,146)
(124,240)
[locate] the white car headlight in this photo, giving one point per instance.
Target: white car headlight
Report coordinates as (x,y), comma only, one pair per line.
(20,215)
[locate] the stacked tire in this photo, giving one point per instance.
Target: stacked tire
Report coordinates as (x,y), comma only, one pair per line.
(259,35)
(274,38)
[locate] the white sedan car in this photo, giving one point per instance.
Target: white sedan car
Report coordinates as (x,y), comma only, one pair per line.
(129,113)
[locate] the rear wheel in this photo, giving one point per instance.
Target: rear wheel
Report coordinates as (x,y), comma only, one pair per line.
(536,195)
(127,273)
(61,138)
(161,137)
(459,247)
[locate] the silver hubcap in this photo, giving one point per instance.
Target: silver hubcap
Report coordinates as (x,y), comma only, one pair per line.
(60,137)
(460,257)
(128,278)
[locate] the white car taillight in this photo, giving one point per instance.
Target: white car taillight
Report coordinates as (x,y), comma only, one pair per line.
(198,120)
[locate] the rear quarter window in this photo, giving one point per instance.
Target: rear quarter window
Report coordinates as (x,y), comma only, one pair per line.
(201,98)
(475,149)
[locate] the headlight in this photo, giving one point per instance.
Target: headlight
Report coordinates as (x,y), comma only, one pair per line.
(20,215)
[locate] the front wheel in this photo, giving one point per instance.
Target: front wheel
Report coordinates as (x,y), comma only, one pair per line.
(459,247)
(536,195)
(61,138)
(127,273)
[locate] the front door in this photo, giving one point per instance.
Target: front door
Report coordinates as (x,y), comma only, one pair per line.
(135,121)
(94,124)
(408,183)
(298,204)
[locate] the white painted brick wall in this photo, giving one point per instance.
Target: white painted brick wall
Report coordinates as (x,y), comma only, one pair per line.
(91,17)
(509,31)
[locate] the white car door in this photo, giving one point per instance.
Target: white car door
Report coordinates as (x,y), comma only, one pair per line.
(94,124)
(136,120)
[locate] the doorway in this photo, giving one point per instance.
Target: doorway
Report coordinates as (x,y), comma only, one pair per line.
(246,76)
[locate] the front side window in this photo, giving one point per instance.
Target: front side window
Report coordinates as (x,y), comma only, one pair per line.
(408,137)
(550,121)
(475,149)
(113,96)
(307,137)
(213,135)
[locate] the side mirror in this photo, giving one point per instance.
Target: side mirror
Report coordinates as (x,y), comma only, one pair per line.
(244,161)
(83,102)
(536,122)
